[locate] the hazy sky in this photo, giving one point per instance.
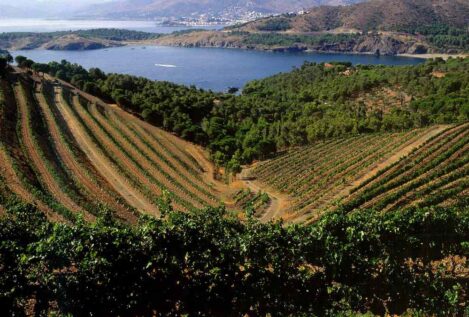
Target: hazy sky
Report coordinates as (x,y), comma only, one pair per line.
(48,7)
(50,3)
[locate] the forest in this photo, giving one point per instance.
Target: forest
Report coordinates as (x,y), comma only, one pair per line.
(441,35)
(107,34)
(310,103)
(279,39)
(209,263)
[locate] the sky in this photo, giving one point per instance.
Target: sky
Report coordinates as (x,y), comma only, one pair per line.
(48,7)
(50,4)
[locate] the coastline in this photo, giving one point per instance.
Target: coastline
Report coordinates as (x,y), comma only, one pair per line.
(435,55)
(265,49)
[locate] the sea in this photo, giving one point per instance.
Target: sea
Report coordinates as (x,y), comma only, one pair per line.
(216,69)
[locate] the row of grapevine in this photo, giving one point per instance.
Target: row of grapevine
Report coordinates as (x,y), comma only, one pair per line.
(254,203)
(172,165)
(39,152)
(434,174)
(18,179)
(320,176)
(74,160)
(123,181)
(154,167)
(72,155)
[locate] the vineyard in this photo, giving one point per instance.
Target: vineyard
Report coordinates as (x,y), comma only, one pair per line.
(69,153)
(103,213)
(423,167)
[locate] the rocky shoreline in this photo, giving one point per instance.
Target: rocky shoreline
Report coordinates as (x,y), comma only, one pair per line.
(378,44)
(362,44)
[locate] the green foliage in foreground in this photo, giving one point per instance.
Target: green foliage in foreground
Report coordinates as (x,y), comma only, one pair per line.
(5,60)
(208,263)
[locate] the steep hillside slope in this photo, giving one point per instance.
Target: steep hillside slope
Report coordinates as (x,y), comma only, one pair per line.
(377,26)
(389,171)
(375,14)
(68,152)
(71,153)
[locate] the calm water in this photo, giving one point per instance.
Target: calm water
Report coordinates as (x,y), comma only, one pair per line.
(41,25)
(209,68)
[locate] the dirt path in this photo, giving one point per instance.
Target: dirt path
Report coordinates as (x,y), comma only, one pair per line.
(208,173)
(46,175)
(103,165)
(279,201)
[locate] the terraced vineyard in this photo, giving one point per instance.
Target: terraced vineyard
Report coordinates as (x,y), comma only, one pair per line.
(70,153)
(369,171)
(434,174)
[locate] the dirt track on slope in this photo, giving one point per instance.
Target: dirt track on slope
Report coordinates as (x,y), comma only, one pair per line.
(103,165)
(278,204)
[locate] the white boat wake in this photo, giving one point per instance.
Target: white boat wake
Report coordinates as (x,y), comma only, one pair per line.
(165,65)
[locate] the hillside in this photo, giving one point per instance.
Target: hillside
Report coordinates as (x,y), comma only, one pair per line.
(389,171)
(373,27)
(359,121)
(81,155)
(103,213)
(194,8)
(72,40)
(382,15)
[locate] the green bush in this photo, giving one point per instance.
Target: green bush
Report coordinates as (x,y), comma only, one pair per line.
(208,263)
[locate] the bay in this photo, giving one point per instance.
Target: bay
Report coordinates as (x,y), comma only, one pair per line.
(209,68)
(52,25)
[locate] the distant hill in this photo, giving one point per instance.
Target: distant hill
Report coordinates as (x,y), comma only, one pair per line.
(374,15)
(386,27)
(180,8)
(73,40)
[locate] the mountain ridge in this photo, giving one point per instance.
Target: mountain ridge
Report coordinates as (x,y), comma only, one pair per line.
(179,8)
(374,15)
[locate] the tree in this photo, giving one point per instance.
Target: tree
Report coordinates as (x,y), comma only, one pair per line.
(40,68)
(233,90)
(3,66)
(7,56)
(20,60)
(61,75)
